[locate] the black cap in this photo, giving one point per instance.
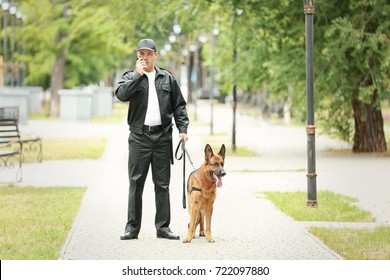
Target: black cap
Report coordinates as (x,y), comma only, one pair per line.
(147,44)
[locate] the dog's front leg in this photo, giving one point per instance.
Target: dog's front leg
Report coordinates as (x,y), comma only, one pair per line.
(201,224)
(209,213)
(194,216)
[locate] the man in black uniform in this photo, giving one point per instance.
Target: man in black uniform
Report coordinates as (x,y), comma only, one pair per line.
(154,99)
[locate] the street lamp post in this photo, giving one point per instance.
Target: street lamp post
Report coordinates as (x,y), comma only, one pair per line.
(12,11)
(234,105)
(202,39)
(5,7)
(214,33)
(19,49)
(191,97)
(22,50)
(237,12)
(179,53)
(310,128)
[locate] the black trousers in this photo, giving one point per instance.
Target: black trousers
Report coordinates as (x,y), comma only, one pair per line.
(149,149)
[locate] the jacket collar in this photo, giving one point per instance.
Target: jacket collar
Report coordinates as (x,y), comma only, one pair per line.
(158,71)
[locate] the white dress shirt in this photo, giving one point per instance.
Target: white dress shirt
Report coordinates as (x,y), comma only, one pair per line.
(153,116)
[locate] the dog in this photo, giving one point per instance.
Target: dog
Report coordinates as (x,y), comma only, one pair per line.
(202,190)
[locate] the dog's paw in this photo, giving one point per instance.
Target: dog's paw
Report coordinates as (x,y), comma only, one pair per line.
(187,239)
(201,233)
(209,237)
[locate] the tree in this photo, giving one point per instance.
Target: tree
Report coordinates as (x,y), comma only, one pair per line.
(355,68)
(352,62)
(352,50)
(73,42)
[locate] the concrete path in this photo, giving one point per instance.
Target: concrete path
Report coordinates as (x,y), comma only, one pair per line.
(245,226)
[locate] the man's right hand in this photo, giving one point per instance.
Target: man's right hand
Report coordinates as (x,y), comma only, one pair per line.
(140,66)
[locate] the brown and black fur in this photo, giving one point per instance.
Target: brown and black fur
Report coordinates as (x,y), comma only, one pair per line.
(201,191)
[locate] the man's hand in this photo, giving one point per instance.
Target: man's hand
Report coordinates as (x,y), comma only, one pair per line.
(183,136)
(140,66)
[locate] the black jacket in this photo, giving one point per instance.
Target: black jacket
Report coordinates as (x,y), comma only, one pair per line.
(134,88)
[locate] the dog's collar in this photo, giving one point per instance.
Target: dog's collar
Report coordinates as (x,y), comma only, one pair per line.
(195,189)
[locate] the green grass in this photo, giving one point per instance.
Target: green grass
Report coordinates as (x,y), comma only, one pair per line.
(332,207)
(350,243)
(43,114)
(70,148)
(216,141)
(242,151)
(35,222)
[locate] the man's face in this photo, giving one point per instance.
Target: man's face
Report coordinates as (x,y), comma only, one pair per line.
(149,57)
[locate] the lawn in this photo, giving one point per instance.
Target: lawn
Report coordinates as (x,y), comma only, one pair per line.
(70,148)
(332,207)
(216,141)
(350,243)
(35,222)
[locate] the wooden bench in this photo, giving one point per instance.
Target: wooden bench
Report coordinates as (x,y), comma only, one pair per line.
(13,145)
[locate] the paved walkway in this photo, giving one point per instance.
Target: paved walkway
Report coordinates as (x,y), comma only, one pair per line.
(245,226)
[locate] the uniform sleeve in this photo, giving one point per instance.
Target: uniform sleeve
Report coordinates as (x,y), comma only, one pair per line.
(179,108)
(128,86)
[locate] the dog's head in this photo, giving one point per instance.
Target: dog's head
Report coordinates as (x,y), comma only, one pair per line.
(215,163)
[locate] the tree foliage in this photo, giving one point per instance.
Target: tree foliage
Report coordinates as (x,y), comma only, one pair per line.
(352,49)
(353,70)
(92,40)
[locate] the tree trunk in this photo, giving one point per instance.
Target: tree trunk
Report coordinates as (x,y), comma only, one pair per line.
(110,80)
(56,83)
(58,72)
(369,133)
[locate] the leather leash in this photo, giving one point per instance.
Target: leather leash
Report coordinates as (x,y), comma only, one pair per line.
(184,152)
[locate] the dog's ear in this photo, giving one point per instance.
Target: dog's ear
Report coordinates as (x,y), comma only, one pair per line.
(222,151)
(208,152)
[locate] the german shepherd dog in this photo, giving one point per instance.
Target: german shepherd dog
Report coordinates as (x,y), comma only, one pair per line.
(202,190)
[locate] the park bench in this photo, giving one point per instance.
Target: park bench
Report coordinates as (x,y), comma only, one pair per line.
(13,145)
(11,151)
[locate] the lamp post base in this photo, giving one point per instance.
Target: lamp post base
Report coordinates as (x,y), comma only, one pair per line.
(312,203)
